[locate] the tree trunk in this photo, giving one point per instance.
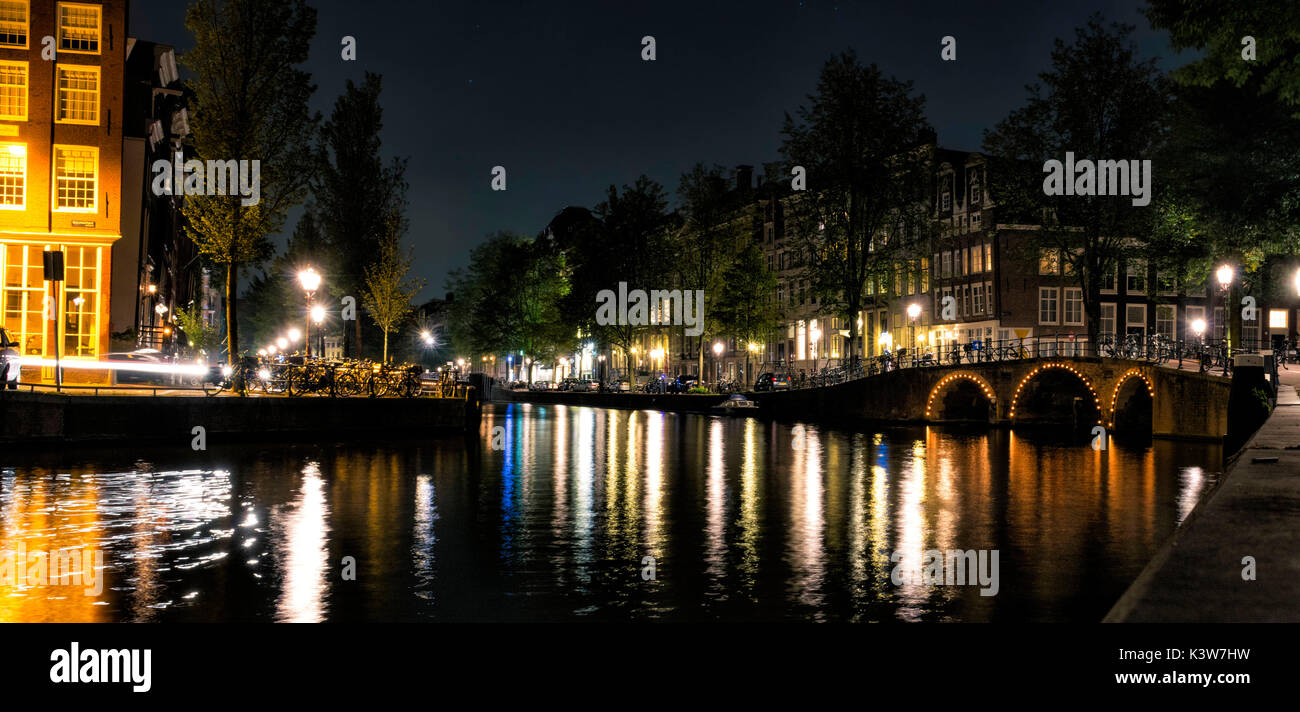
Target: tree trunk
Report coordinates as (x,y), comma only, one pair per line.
(385,345)
(232,324)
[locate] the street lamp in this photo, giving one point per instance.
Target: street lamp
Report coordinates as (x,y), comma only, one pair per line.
(1198,326)
(717,356)
(1224,275)
(294,335)
(310,281)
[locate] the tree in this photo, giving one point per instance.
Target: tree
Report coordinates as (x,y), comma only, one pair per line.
(507,300)
(857,139)
(625,241)
(199,335)
(745,307)
(274,297)
(354,189)
(1219,30)
(1101,102)
(250,103)
(388,290)
(706,240)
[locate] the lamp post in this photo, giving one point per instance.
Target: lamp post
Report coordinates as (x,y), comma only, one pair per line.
(1198,326)
(717,361)
(1224,276)
(913,311)
(310,281)
(318,316)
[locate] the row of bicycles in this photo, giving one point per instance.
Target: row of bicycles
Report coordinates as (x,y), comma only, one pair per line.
(297,376)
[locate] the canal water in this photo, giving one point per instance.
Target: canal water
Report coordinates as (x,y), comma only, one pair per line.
(565,513)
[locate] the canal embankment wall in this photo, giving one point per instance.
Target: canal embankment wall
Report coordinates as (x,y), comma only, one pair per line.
(45,418)
(666,402)
(1236,558)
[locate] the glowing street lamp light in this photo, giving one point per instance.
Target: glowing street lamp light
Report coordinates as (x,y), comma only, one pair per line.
(318,314)
(1224,275)
(294,335)
(1198,326)
(282,343)
(309,279)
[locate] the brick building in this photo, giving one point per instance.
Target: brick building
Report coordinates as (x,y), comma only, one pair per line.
(60,171)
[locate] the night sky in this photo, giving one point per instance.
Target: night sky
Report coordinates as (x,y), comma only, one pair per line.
(557,92)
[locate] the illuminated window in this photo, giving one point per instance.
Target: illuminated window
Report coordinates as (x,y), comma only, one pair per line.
(78,101)
(76,179)
(13,91)
(78,28)
(1049,261)
(1277,318)
(24,297)
(13,176)
(81,301)
(13,23)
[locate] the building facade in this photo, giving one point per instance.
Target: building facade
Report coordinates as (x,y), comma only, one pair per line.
(61,96)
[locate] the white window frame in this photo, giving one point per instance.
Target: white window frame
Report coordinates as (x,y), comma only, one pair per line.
(1055,301)
(1128,307)
(1066,293)
(1172,321)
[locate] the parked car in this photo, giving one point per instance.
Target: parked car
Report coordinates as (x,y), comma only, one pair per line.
(683,384)
(580,386)
(772,382)
(10,362)
(568,384)
(540,386)
(620,387)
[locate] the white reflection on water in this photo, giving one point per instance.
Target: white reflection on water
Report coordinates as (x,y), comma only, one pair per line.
(422,551)
(1191,483)
(807,539)
(303,553)
(715,542)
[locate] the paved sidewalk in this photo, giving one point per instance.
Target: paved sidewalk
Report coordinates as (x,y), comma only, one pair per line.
(1255,512)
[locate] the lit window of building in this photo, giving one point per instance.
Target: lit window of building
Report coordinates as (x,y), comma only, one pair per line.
(75,177)
(1049,261)
(78,28)
(13,23)
(24,297)
(78,99)
(13,176)
(81,300)
(13,91)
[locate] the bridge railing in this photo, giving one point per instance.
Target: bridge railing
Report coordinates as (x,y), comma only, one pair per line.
(1204,355)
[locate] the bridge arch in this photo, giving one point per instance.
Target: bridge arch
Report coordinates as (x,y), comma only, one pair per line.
(1052,366)
(950,379)
(1119,385)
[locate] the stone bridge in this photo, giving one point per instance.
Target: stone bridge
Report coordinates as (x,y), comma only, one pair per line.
(1119,394)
